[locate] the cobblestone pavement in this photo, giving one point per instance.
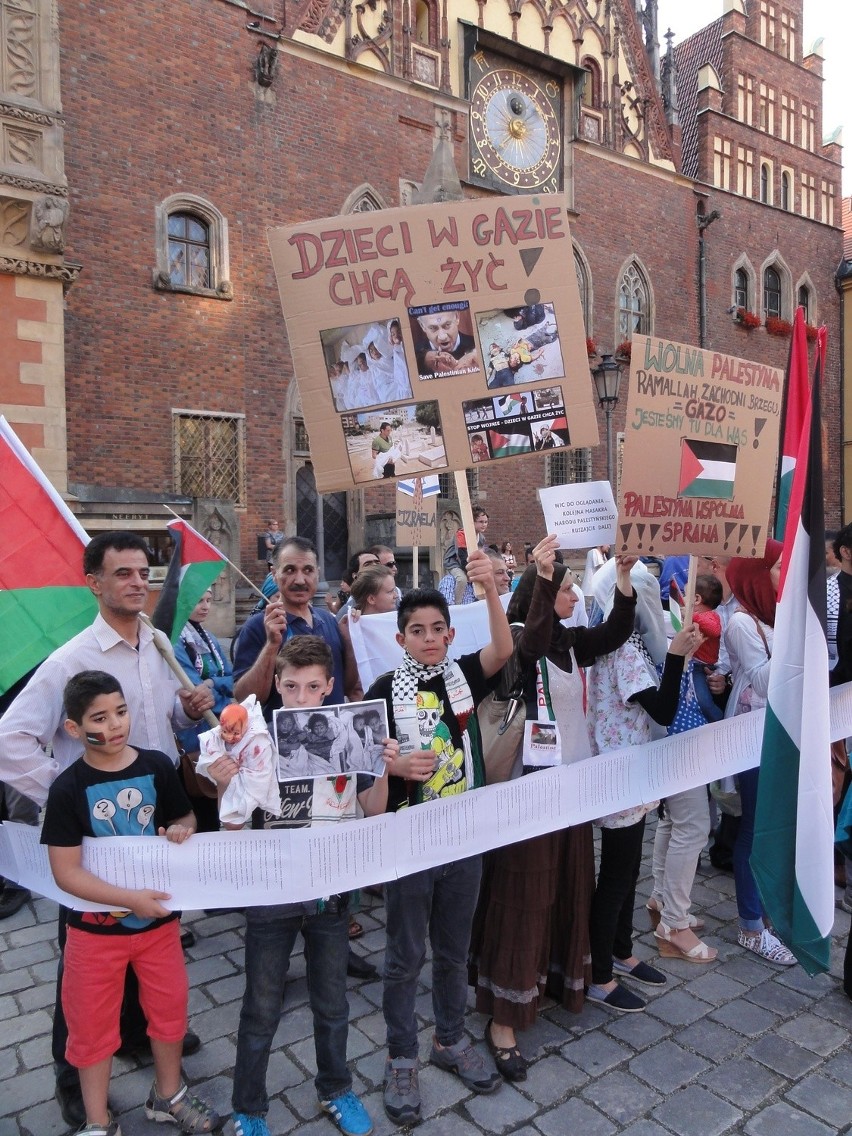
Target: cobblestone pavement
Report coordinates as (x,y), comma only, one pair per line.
(735,1046)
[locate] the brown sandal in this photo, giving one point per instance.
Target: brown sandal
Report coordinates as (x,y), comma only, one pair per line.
(511,1063)
(355,929)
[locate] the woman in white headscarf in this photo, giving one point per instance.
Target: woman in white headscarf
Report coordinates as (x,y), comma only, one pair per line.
(362,390)
(624,703)
(401,380)
(380,361)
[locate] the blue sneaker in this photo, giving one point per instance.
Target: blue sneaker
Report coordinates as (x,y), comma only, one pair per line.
(348,1114)
(240,1124)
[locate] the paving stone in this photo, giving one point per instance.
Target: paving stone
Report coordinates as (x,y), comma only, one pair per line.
(574,1116)
(621,1096)
(26,1026)
(783,1118)
(28,955)
(797,979)
(25,1090)
(709,1039)
(638,1030)
(746,968)
(823,1098)
(834,1006)
(715,988)
(840,1067)
(589,1018)
(667,1066)
(227,989)
(36,1054)
(745,1018)
(595,1053)
(645,1128)
(742,1082)
(783,1056)
(551,1079)
(543,1037)
(206,970)
(779,999)
(695,1111)
(500,1111)
(814,1033)
(677,1008)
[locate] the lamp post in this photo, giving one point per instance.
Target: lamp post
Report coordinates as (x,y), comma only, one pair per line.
(607,376)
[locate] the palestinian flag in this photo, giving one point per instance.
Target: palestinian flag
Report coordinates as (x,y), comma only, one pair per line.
(44,599)
(792,417)
(194,565)
(505,445)
(792,855)
(707,469)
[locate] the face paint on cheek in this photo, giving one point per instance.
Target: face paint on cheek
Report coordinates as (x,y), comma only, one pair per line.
(96,739)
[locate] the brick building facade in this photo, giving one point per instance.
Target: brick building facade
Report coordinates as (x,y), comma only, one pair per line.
(191,128)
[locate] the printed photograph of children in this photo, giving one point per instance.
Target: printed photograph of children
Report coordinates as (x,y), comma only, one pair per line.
(521,345)
(366,364)
(398,441)
(443,340)
(518,422)
(330,740)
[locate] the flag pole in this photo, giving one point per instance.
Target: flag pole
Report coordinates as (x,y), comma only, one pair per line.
(165,649)
(230,563)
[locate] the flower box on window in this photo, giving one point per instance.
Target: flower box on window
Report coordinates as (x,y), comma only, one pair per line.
(811,332)
(746,318)
(776,326)
(623,350)
(591,347)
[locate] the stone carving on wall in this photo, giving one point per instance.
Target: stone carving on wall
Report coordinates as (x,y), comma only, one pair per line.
(22,147)
(14,222)
(373,34)
(48,224)
(17,266)
(20,71)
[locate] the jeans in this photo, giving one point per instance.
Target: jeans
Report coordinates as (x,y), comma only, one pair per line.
(749,907)
(270,936)
(611,917)
(441,901)
(680,836)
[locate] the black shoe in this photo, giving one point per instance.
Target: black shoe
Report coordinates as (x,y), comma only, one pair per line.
(187,939)
(69,1097)
(141,1046)
(12,900)
(358,967)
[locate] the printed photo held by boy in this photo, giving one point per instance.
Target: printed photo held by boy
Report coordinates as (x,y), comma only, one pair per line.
(114,789)
(304,676)
(431,705)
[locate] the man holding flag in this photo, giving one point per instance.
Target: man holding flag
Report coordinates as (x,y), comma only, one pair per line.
(115,565)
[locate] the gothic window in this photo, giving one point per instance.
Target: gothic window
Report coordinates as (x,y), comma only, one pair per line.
(634,304)
(447,484)
(565,467)
(786,197)
(741,299)
(772,292)
(803,299)
(592,86)
(209,455)
(192,247)
(426,28)
(765,184)
(584,289)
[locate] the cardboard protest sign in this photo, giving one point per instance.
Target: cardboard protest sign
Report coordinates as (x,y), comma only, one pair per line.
(417,512)
(581,514)
(700,449)
(432,337)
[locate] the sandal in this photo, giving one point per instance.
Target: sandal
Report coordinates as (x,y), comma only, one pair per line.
(189,1113)
(355,929)
(670,949)
(695,924)
(511,1063)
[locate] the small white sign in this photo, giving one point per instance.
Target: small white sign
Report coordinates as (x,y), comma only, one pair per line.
(582,515)
(542,747)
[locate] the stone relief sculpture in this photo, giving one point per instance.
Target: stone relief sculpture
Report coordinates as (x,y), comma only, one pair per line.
(48,224)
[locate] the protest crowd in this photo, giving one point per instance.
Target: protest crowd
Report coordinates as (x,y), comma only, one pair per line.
(107,741)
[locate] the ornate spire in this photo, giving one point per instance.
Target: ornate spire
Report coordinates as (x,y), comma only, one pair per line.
(669,81)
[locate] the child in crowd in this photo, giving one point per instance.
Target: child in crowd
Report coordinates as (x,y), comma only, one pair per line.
(708,596)
(115,789)
(304,676)
(431,705)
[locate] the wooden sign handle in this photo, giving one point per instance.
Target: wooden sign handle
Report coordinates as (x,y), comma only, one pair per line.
(689,598)
(466,509)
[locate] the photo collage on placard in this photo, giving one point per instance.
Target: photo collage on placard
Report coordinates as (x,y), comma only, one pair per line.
(391,433)
(330,740)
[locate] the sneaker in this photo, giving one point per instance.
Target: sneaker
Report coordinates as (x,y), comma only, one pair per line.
(109,1129)
(468,1065)
(348,1114)
(641,972)
(241,1124)
(767,945)
(402,1091)
(620,999)
(189,1113)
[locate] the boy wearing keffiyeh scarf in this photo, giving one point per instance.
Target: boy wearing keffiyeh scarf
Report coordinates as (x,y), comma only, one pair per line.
(431,702)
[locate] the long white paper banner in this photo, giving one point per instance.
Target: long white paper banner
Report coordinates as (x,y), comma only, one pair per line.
(260,868)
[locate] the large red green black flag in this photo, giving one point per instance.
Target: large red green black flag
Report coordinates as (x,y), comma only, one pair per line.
(44,600)
(194,565)
(796,394)
(792,856)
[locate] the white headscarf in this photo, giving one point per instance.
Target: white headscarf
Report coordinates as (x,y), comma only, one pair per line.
(649,621)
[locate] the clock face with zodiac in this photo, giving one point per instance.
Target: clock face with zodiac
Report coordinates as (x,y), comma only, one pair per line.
(515,127)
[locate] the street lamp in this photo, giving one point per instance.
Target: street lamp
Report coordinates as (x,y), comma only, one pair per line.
(607,376)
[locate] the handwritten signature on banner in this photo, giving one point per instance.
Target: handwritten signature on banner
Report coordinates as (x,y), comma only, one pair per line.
(289,866)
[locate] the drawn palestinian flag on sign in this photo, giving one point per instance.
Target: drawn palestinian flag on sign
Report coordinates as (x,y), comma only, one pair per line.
(508,445)
(707,469)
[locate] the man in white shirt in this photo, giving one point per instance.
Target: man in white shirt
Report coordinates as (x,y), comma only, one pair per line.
(116,569)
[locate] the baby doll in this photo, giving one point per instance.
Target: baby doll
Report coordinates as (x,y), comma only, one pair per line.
(242,735)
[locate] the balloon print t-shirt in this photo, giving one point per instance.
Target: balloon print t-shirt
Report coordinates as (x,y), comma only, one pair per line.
(135,801)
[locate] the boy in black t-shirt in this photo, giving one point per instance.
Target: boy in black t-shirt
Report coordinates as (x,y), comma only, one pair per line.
(431,705)
(115,789)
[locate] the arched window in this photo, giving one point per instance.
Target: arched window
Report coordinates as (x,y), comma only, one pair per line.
(584,289)
(803,299)
(786,199)
(741,298)
(592,86)
(192,247)
(765,184)
(634,304)
(424,23)
(772,292)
